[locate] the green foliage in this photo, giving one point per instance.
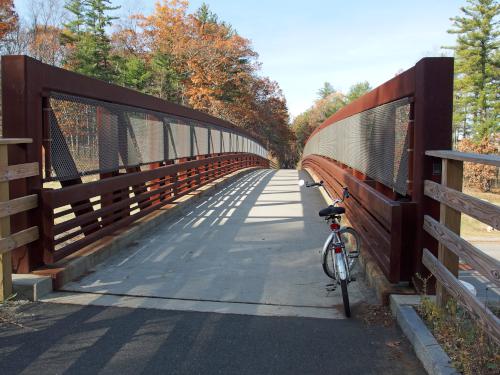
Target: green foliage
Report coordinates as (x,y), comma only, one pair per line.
(357,90)
(205,15)
(167,81)
(86,34)
(326,90)
(477,69)
(133,73)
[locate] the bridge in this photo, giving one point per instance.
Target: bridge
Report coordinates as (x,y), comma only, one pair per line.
(125,200)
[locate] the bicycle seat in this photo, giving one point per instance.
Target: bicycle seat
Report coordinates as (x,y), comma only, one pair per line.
(332,210)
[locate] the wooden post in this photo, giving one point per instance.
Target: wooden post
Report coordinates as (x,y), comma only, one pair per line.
(6,258)
(452,177)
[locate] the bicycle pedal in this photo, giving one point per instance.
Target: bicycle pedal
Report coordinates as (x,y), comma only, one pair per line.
(353,279)
(354,254)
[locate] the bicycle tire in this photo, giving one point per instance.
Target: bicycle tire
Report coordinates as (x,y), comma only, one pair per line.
(345,298)
(328,268)
(328,272)
(352,231)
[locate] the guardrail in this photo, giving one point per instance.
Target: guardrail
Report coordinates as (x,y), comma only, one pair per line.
(143,151)
(9,207)
(376,145)
(453,247)
(78,215)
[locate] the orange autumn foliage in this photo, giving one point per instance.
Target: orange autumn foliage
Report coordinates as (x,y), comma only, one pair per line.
(217,68)
(8,17)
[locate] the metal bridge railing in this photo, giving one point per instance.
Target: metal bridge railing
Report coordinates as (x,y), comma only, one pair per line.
(376,145)
(142,153)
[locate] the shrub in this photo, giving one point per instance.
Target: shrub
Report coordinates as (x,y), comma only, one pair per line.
(478,175)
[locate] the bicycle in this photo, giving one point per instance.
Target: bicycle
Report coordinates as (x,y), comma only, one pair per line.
(341,248)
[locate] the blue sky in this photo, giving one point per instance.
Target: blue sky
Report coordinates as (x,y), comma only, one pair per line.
(302,44)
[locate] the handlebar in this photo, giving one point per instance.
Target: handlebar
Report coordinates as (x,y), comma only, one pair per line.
(345,191)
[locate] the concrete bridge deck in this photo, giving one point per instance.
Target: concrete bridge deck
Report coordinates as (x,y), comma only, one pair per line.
(250,248)
(233,287)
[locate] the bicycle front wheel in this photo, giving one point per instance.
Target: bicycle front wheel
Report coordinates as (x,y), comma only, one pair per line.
(345,298)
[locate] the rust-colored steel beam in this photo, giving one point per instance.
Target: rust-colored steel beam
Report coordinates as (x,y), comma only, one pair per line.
(432,130)
(44,78)
(26,85)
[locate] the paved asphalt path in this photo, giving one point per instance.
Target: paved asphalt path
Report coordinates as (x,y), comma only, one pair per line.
(71,339)
(233,287)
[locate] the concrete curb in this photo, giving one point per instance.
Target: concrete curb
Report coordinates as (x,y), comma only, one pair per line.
(80,263)
(30,287)
(427,349)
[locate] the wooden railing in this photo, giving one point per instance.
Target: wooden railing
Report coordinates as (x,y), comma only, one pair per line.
(8,241)
(452,247)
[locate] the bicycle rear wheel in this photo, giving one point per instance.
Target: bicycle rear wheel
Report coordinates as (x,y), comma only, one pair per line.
(352,243)
(345,298)
(328,263)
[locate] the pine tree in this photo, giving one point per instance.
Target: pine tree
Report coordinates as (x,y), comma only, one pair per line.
(91,47)
(477,69)
(205,15)
(75,26)
(326,90)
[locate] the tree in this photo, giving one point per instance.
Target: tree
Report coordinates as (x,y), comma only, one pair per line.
(357,90)
(8,17)
(132,72)
(477,69)
(44,31)
(90,47)
(478,175)
(326,90)
(205,15)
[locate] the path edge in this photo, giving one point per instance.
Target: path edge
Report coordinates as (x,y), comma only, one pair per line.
(428,351)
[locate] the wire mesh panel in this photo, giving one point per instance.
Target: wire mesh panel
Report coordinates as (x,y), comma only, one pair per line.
(214,140)
(145,135)
(200,140)
(226,142)
(374,142)
(90,136)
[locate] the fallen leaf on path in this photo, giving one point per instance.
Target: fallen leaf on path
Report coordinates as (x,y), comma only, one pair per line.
(393,344)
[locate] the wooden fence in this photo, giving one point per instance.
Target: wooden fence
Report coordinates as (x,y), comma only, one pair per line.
(8,208)
(452,247)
